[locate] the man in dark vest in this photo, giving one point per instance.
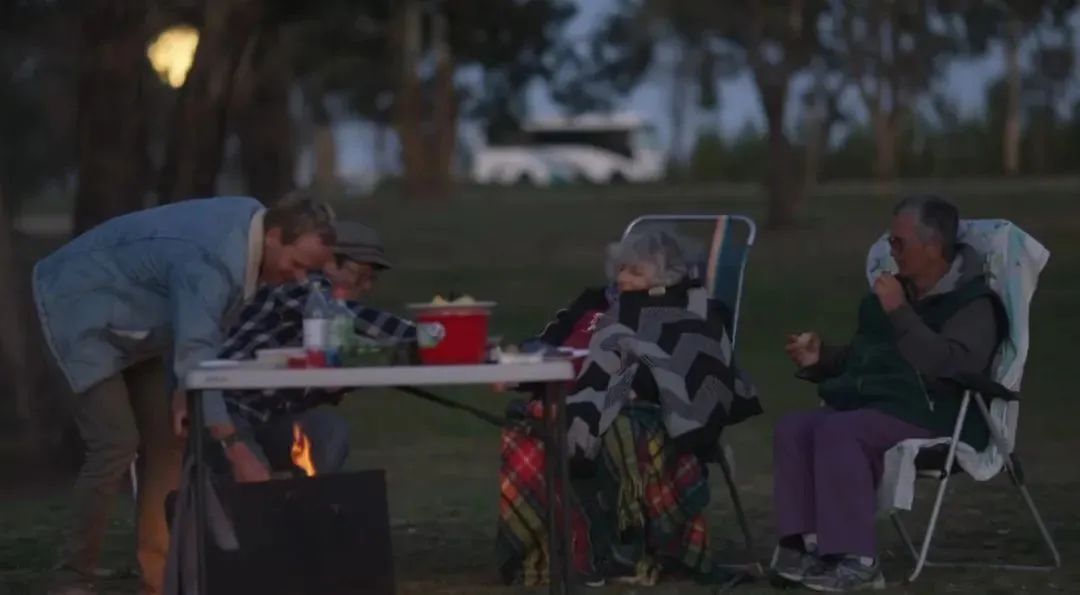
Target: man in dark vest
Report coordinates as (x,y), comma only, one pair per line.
(935,318)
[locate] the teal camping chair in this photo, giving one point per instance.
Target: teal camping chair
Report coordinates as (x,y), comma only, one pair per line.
(719,248)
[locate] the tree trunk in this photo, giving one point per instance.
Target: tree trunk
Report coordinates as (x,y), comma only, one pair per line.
(427,131)
(677,105)
(445,112)
(1040,139)
(784,197)
(1011,134)
(815,128)
(14,339)
(194,155)
(112,119)
(884,114)
(381,159)
(409,110)
(264,123)
(324,165)
(324,157)
(884,144)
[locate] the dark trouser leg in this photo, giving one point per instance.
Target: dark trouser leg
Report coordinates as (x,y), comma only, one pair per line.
(793,472)
(849,448)
(107,425)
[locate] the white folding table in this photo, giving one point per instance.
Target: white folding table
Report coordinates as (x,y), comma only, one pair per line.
(551,375)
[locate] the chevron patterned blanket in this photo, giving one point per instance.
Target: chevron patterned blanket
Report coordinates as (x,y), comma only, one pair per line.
(673,345)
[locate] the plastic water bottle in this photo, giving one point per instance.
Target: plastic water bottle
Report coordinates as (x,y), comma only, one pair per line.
(342,329)
(316,327)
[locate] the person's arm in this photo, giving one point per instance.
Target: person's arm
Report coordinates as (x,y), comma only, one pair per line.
(264,320)
(966,342)
(558,330)
(831,362)
(200,289)
(199,294)
(833,358)
(271,319)
(379,324)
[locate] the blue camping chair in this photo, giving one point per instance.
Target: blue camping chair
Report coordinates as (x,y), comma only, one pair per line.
(719,247)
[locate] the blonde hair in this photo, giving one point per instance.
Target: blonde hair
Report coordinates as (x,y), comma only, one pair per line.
(297,214)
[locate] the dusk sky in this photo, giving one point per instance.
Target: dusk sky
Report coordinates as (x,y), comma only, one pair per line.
(965,82)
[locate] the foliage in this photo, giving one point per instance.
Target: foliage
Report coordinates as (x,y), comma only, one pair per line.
(345,49)
(36,82)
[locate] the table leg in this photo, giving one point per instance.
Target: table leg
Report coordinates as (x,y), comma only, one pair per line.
(557,472)
(550,465)
(196,429)
(564,475)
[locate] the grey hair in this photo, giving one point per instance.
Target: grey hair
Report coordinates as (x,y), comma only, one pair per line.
(939,220)
(662,249)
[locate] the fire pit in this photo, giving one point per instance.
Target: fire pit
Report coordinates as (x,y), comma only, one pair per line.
(322,535)
(330,534)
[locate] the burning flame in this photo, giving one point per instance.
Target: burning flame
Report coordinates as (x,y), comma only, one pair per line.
(301,450)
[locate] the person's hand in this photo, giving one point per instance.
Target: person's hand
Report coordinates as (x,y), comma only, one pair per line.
(889,292)
(179,413)
(804,349)
(246,467)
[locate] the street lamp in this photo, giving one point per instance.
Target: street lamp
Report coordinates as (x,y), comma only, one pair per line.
(172,52)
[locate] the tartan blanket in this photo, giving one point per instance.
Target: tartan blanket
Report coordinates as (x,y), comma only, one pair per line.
(521,536)
(645,507)
(678,342)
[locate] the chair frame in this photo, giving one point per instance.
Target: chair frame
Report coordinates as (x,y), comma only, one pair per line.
(742,264)
(976,389)
(920,555)
(724,449)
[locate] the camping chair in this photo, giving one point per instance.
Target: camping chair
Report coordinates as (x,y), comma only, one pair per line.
(720,267)
(1013,263)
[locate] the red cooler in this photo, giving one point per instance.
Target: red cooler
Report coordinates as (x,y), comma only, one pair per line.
(452,333)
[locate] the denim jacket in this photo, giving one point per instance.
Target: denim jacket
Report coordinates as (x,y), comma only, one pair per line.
(161,282)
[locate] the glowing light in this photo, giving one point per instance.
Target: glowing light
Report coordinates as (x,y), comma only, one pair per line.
(172,52)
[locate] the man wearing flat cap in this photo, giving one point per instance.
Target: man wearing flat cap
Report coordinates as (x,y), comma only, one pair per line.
(273,318)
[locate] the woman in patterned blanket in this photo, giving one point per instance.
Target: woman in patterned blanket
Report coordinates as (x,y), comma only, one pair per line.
(638,500)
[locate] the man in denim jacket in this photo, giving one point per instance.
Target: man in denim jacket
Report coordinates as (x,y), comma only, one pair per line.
(127,309)
(274,318)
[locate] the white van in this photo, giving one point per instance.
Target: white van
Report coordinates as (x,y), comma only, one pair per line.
(594,149)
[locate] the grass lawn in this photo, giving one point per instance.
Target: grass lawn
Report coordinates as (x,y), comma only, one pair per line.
(533,252)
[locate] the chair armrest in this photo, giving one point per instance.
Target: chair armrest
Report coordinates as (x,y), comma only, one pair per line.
(983,385)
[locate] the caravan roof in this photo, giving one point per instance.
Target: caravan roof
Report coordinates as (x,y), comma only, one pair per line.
(586,122)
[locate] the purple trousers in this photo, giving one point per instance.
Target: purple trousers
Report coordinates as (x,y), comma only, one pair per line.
(826,468)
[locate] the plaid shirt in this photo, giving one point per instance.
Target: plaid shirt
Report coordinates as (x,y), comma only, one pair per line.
(274,317)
